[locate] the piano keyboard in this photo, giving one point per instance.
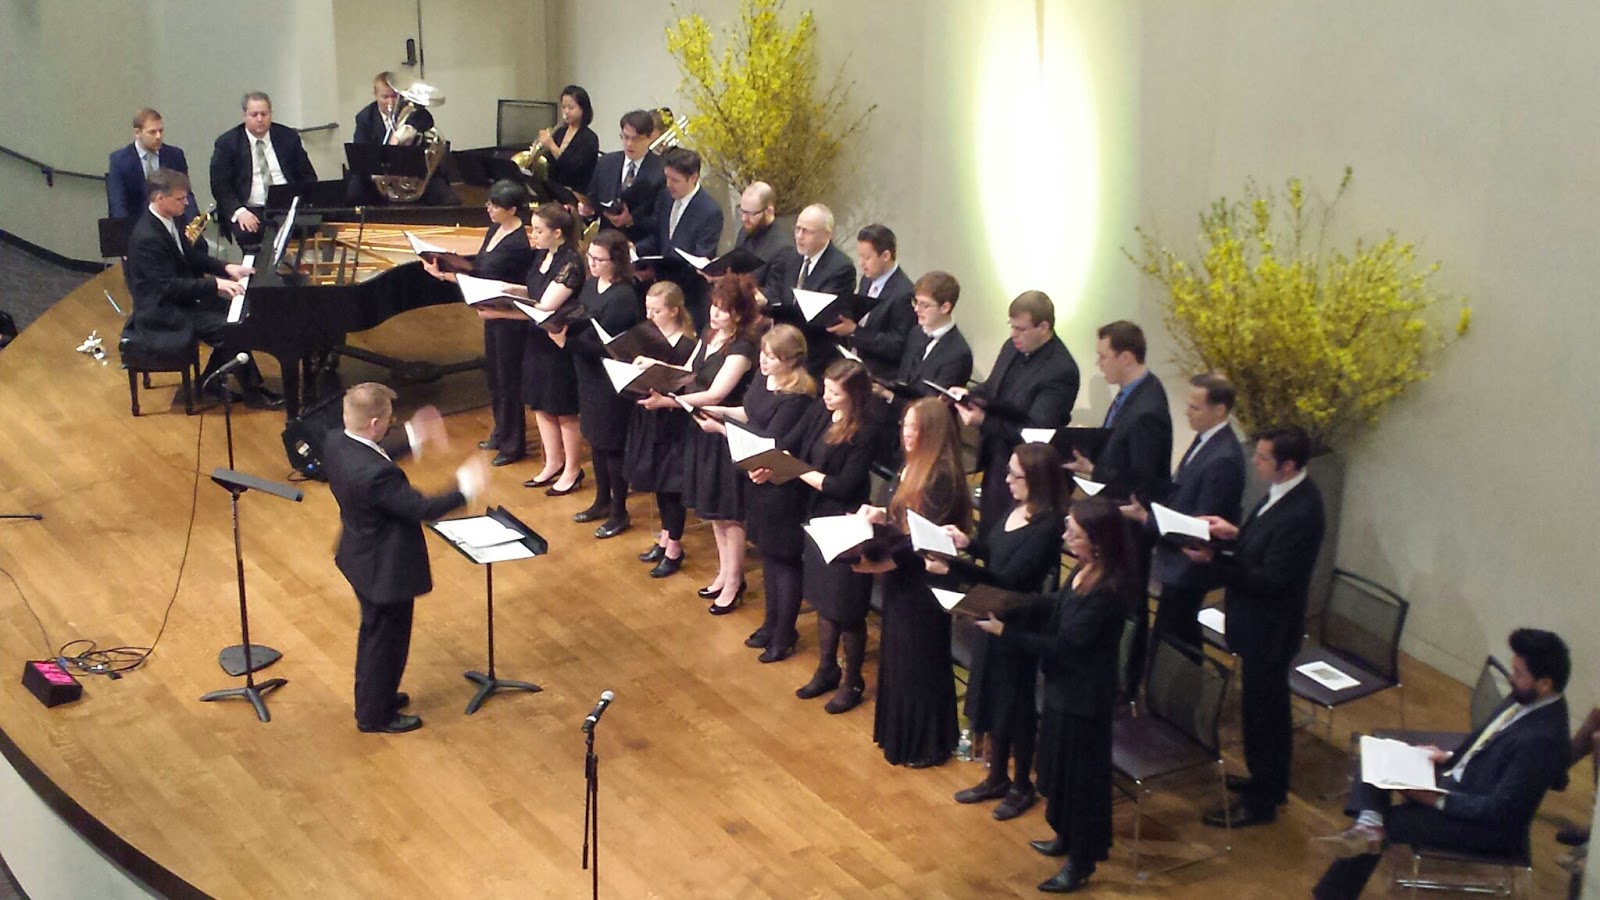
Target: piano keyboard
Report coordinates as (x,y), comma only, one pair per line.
(236,307)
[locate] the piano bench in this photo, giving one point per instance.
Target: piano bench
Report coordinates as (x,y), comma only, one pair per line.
(140,362)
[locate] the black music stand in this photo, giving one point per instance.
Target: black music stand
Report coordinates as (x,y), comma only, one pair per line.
(488,682)
(236,483)
(241,659)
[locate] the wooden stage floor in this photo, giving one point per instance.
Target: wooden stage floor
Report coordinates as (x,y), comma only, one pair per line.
(715,780)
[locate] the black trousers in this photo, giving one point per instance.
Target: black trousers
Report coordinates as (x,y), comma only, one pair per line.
(382,645)
(1268,731)
(503,341)
(1175,615)
(782,576)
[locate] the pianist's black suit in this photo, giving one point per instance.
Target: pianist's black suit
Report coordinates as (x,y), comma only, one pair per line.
(382,555)
(1035,390)
(606,185)
(1267,577)
(232,163)
(832,274)
(174,292)
(880,336)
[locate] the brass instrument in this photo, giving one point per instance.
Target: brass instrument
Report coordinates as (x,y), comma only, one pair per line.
(672,135)
(197,226)
(407,188)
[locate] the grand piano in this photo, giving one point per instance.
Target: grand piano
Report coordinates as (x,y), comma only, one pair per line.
(344,271)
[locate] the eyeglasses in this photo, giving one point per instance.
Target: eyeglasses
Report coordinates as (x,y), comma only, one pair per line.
(599,259)
(925,304)
(747,214)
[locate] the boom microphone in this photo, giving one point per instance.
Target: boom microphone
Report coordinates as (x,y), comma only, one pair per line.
(599,709)
(241,360)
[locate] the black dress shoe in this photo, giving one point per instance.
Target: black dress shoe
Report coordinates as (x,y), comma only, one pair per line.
(489,443)
(505,459)
(668,565)
(1236,783)
(656,553)
(400,724)
(402,700)
(592,514)
(711,593)
(846,698)
(775,653)
(1066,881)
(537,482)
(1053,847)
(261,398)
(577,483)
(929,762)
(821,682)
(738,598)
(1239,816)
(1016,802)
(611,528)
(985,790)
(759,639)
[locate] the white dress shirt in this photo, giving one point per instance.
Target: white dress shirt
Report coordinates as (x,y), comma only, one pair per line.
(258,189)
(1276,491)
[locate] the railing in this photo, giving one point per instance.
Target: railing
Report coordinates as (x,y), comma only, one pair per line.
(50,172)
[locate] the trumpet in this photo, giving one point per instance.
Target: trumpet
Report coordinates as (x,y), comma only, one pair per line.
(197,226)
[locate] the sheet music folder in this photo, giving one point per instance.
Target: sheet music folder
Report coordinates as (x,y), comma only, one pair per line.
(532,542)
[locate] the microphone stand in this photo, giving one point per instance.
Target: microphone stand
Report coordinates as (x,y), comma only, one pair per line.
(241,659)
(591,811)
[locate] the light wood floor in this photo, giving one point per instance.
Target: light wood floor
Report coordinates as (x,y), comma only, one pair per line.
(716,781)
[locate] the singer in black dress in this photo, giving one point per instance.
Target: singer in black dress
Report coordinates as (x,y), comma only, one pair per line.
(712,485)
(653,451)
(1022,554)
(1076,646)
(573,147)
(839,437)
(915,721)
(610,302)
(773,406)
(505,256)
(550,383)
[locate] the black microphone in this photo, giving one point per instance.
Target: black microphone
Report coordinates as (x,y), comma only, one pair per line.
(599,709)
(241,360)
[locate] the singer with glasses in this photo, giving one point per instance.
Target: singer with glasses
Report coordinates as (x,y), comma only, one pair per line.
(609,299)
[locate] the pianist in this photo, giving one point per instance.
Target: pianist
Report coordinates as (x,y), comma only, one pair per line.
(179,292)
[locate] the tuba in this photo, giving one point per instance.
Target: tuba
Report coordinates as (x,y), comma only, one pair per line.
(408,188)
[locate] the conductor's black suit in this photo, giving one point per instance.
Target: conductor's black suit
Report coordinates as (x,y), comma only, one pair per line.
(382,554)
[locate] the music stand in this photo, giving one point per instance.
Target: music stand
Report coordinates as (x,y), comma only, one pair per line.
(236,483)
(489,682)
(366,160)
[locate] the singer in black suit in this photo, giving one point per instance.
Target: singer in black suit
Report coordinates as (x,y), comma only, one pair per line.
(935,349)
(696,231)
(632,175)
(381,550)
(1267,575)
(236,183)
(1492,784)
(1208,482)
(1033,384)
(759,229)
(180,292)
(880,337)
(1135,459)
(126,194)
(813,264)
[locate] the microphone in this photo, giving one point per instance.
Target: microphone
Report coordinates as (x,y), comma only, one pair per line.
(241,360)
(599,709)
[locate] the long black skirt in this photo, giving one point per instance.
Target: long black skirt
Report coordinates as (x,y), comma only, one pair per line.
(1074,774)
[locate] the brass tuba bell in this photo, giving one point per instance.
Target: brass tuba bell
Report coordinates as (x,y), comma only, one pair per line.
(407,188)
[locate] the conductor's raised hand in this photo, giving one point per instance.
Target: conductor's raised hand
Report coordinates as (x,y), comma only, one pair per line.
(427,425)
(473,476)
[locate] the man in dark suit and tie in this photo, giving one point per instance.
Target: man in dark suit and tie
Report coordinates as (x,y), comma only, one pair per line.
(375,123)
(381,550)
(812,264)
(689,221)
(880,337)
(631,177)
(1489,788)
(1267,574)
(1033,384)
(127,167)
(180,292)
(247,160)
(935,349)
(1208,482)
(1136,457)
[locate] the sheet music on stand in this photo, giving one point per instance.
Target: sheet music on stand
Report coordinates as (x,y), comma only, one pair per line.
(484,539)
(284,231)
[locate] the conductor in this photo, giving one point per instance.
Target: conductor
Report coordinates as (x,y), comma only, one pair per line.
(381,550)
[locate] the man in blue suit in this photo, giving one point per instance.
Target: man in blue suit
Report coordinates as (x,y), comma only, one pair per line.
(1489,789)
(127,167)
(1209,481)
(687,219)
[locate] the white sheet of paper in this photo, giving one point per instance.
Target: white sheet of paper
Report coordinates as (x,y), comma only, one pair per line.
(847,353)
(1170,521)
(686,405)
(812,302)
(1089,487)
(621,374)
(533,312)
(834,535)
(699,262)
(1396,765)
(940,388)
(927,535)
(478,531)
(743,443)
(604,336)
(1214,618)
(1038,435)
(499,552)
(420,246)
(1327,676)
(477,290)
(947,599)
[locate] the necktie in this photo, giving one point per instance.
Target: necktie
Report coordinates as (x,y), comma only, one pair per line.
(262,166)
(1116,404)
(172,229)
(629,173)
(805,272)
(149,164)
(929,349)
(1488,732)
(876,287)
(677,213)
(1189,454)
